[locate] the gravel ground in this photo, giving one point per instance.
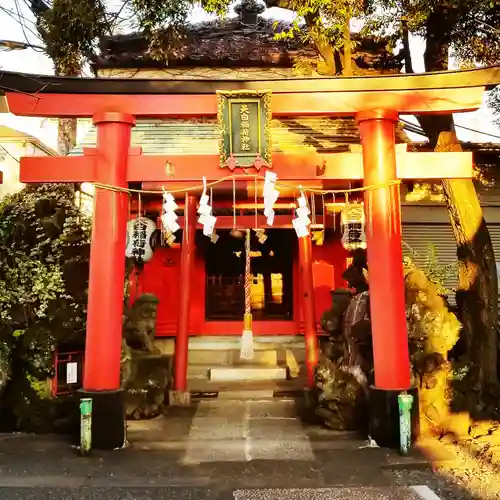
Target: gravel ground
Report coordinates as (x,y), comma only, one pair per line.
(459,475)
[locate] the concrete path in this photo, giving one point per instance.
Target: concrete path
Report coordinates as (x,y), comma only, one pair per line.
(218,450)
(238,431)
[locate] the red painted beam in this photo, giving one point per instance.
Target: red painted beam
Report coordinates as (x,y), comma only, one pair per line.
(57,169)
(340,103)
(247,221)
(420,166)
(189,169)
(155,204)
(193,167)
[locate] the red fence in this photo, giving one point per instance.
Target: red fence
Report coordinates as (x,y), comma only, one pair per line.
(69,373)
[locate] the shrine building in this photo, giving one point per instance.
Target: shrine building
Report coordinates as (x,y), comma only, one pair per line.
(240,48)
(260,182)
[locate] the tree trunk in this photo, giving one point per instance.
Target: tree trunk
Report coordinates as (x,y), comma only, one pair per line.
(406,46)
(66,135)
(477,293)
(330,56)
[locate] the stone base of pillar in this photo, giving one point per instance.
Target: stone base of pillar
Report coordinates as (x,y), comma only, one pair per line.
(384,416)
(108,419)
(179,398)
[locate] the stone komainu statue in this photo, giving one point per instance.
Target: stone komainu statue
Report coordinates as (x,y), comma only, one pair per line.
(346,365)
(140,328)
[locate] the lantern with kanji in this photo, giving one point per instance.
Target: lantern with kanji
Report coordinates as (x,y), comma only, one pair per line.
(352,220)
(140,239)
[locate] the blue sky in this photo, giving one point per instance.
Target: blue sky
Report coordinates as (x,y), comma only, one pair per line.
(33,61)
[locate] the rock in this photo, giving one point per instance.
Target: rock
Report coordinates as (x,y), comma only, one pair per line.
(341,399)
(459,424)
(448,438)
(495,455)
(485,428)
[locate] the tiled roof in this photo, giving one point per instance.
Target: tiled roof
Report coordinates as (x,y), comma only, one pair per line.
(201,136)
(248,40)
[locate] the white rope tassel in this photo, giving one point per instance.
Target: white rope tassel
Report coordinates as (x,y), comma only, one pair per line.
(247,351)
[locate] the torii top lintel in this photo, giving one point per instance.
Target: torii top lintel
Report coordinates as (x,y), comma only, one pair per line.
(427,93)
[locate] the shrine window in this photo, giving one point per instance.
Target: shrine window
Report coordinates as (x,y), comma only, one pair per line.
(271,292)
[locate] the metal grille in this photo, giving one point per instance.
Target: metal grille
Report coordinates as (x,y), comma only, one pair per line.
(417,239)
(225,297)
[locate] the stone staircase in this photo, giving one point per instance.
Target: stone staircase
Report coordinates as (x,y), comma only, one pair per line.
(216,370)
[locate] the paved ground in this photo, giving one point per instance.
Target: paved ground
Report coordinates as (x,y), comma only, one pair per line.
(218,450)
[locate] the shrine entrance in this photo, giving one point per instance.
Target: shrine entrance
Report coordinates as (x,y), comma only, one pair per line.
(272,291)
(115,165)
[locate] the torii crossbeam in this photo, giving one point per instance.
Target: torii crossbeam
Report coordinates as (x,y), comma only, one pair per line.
(115,104)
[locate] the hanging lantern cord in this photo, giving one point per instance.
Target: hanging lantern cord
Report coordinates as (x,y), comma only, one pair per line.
(255,203)
(247,348)
(248,281)
(234,204)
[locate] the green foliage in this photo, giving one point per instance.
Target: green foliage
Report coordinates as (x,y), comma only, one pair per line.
(44,250)
(325,23)
(42,231)
(40,387)
(69,30)
(434,271)
(219,7)
(468,27)
(163,22)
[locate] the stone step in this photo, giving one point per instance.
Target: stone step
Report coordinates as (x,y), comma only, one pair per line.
(247,373)
(199,372)
(249,394)
(225,343)
(232,356)
(202,361)
(241,389)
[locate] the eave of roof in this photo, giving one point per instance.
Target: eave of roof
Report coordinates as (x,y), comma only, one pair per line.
(8,134)
(32,84)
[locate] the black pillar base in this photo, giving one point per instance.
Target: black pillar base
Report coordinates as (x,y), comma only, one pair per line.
(384,416)
(108,419)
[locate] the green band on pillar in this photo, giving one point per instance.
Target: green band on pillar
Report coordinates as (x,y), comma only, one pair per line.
(86,406)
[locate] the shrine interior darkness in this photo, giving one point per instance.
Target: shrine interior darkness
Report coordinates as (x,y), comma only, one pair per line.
(272,275)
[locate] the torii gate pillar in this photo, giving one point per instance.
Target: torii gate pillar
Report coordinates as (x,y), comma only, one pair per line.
(385,275)
(101,378)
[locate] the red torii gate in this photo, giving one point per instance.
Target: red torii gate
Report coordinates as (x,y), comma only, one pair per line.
(114,104)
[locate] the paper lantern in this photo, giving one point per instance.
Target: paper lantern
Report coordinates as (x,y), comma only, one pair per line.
(352,220)
(140,245)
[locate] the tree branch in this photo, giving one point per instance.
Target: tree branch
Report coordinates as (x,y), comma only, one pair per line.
(326,51)
(39,7)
